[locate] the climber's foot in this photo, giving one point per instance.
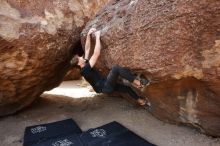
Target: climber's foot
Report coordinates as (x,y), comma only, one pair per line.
(144,82)
(141,101)
(144,102)
(140,83)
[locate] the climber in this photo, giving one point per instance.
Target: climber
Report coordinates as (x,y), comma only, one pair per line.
(109,83)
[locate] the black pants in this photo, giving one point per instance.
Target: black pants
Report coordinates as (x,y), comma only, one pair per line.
(112,85)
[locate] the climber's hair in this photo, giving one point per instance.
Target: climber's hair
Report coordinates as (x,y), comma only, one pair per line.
(74,61)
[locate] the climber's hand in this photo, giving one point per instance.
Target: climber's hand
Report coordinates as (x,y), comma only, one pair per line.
(98,34)
(92,30)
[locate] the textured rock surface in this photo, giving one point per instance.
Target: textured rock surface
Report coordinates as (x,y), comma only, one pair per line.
(37,39)
(176,43)
(72,74)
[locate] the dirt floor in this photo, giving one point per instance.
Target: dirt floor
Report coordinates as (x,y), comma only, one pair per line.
(91,110)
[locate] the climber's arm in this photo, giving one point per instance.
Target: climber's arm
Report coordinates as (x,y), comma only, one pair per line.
(97,50)
(88,43)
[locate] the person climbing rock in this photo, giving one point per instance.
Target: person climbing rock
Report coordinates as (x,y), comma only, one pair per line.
(110,83)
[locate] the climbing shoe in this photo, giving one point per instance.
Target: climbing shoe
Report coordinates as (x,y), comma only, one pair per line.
(144,82)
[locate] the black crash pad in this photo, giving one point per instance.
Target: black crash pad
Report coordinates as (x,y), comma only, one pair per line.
(69,140)
(112,134)
(67,133)
(39,133)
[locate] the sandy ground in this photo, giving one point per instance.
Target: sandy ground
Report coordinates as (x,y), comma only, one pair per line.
(91,110)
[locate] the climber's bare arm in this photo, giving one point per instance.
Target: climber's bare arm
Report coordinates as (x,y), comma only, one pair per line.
(97,49)
(88,43)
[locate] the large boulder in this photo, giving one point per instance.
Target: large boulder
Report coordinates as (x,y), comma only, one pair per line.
(37,40)
(175,43)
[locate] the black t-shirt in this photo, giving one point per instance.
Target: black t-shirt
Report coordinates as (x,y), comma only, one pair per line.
(93,77)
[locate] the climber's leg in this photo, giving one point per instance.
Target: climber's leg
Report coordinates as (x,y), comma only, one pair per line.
(126,89)
(113,76)
(126,74)
(123,72)
(117,71)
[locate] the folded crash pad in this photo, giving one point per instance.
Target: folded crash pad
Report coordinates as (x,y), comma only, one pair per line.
(39,133)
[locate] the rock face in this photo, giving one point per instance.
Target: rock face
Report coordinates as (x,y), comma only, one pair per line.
(72,74)
(175,43)
(37,38)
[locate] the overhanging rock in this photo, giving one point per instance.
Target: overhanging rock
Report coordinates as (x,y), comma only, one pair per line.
(174,43)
